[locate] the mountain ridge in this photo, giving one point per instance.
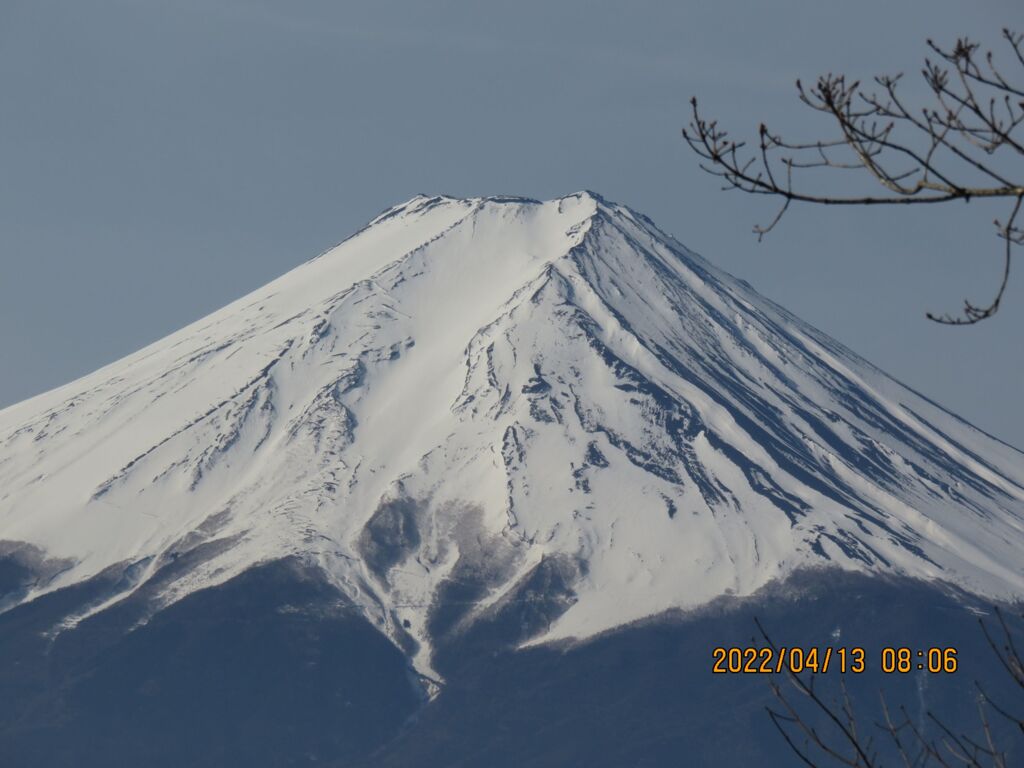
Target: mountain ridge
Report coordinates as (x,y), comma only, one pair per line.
(466,395)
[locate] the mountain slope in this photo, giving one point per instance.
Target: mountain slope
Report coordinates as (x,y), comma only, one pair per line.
(469,400)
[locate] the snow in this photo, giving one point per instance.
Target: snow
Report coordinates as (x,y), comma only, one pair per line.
(539,379)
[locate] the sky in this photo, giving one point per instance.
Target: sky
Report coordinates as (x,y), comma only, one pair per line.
(160,158)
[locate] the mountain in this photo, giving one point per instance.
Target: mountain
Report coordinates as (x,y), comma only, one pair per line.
(483,423)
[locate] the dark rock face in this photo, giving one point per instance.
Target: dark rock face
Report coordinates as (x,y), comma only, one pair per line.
(646,696)
(23,566)
(270,669)
(390,536)
(537,600)
(275,668)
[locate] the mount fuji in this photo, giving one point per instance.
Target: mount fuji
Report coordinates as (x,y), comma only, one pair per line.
(529,424)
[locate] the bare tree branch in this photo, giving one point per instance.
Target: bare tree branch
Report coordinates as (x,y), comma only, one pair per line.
(848,745)
(937,154)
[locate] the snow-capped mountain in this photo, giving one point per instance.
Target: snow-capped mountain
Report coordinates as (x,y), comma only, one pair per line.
(480,391)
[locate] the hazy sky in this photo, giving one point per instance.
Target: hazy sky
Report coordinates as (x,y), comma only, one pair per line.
(159,158)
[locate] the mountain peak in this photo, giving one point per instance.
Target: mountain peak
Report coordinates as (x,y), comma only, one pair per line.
(422,199)
(491,391)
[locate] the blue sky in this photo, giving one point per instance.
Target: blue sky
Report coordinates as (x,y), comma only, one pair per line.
(159,158)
